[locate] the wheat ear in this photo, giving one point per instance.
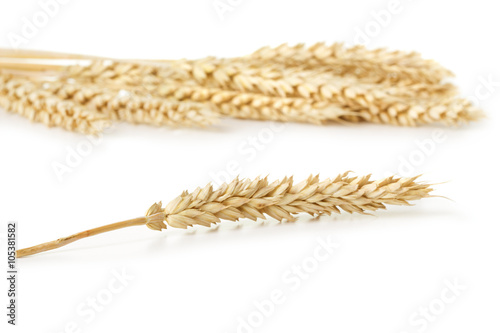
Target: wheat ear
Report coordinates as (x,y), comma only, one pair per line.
(28,99)
(135,106)
(376,65)
(254,199)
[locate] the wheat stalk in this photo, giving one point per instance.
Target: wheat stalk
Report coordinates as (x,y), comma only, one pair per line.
(86,109)
(133,106)
(254,199)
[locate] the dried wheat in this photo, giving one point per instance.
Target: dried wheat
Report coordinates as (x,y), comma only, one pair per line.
(254,199)
(282,199)
(289,83)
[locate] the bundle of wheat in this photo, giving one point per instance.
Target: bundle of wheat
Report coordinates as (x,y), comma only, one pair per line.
(316,84)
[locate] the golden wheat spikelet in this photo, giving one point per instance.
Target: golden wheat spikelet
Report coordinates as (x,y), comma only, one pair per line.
(254,199)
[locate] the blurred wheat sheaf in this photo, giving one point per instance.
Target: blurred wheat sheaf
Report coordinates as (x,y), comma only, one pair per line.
(317,84)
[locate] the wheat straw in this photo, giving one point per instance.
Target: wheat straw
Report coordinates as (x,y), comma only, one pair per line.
(258,198)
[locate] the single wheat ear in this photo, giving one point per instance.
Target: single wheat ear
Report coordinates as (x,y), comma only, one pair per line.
(253,199)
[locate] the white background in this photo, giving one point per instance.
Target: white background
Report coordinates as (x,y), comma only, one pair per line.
(386,268)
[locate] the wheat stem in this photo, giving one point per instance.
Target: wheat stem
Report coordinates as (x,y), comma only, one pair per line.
(73,238)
